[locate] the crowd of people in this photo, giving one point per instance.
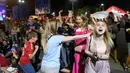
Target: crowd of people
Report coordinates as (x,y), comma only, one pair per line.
(76,44)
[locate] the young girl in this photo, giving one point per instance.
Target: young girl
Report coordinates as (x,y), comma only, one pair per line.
(80,44)
(98,49)
(28,53)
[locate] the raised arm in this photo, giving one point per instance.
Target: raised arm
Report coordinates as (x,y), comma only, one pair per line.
(93,20)
(70,15)
(60,17)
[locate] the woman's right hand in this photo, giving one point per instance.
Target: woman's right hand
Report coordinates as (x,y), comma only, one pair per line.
(95,56)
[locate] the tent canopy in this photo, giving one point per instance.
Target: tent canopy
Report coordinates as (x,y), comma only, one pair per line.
(116,9)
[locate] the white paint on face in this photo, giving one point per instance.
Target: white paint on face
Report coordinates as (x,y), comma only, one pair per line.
(100,28)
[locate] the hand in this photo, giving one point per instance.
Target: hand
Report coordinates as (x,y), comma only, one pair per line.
(36,46)
(95,56)
(88,34)
(13,51)
(91,15)
(60,11)
(70,13)
(99,56)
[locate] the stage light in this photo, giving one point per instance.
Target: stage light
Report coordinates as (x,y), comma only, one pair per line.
(102,4)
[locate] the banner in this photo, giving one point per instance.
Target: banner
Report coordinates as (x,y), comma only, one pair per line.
(42,7)
(2,10)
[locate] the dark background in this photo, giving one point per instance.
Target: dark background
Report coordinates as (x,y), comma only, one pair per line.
(66,4)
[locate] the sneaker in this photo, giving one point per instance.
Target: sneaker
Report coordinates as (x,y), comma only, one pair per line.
(65,70)
(126,69)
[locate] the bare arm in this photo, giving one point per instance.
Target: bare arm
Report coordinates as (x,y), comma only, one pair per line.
(105,56)
(88,48)
(32,55)
(93,20)
(60,17)
(69,38)
(70,14)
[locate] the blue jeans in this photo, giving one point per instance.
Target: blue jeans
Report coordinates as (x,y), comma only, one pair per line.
(65,53)
(27,68)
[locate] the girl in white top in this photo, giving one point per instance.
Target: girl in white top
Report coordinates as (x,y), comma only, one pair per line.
(98,49)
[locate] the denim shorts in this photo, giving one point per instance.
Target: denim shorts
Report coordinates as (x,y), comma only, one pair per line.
(27,68)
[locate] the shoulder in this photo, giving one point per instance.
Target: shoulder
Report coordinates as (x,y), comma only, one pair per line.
(27,44)
(58,36)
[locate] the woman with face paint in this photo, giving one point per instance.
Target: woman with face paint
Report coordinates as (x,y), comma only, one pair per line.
(98,49)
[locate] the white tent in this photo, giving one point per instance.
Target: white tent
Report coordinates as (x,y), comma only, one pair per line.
(104,14)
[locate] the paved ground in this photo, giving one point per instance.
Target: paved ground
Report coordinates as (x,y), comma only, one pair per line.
(116,67)
(122,52)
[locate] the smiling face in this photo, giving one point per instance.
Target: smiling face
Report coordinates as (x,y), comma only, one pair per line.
(79,20)
(100,28)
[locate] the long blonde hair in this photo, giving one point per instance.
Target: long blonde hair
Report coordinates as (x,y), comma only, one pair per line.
(107,39)
(50,29)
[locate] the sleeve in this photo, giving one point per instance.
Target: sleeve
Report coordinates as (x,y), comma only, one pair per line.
(29,48)
(59,39)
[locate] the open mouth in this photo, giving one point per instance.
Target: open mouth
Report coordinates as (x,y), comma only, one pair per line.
(100,30)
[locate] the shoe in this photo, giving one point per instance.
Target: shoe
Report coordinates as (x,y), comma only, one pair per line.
(126,69)
(65,70)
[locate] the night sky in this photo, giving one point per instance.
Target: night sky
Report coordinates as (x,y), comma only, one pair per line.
(66,4)
(57,5)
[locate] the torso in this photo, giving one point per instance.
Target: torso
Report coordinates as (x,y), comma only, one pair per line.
(98,46)
(28,49)
(79,31)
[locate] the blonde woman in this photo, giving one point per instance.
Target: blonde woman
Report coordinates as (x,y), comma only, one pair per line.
(98,50)
(51,43)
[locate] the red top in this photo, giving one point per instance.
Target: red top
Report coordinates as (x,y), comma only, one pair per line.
(3,61)
(28,49)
